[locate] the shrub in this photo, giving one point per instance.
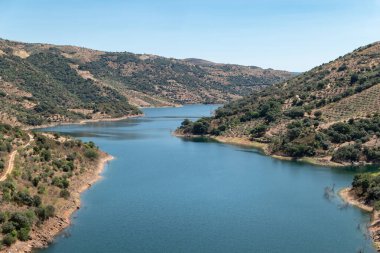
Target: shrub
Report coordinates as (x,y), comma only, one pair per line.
(200,127)
(44,213)
(64,194)
(297,112)
(9,239)
(3,217)
(299,150)
(91,154)
(348,153)
(259,131)
(23,234)
(7,227)
(317,114)
(354,78)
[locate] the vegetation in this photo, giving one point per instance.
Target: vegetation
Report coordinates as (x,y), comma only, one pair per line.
(366,186)
(60,84)
(39,186)
(329,112)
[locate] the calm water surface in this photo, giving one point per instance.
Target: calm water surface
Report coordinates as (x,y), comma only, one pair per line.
(166,194)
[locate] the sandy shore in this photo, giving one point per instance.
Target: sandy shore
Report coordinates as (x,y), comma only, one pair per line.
(374,228)
(41,237)
(82,122)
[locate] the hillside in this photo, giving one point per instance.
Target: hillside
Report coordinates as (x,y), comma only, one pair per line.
(41,176)
(41,83)
(330,113)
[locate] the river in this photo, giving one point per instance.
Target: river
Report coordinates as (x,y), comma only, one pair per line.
(167,194)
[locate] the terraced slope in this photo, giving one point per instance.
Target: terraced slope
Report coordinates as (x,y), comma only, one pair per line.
(330,112)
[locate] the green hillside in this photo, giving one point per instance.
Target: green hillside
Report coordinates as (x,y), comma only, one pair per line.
(41,83)
(330,112)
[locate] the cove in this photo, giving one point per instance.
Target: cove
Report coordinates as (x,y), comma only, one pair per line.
(167,194)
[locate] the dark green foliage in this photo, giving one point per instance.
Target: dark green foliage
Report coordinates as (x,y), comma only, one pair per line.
(44,213)
(259,130)
(200,127)
(60,182)
(46,155)
(91,154)
(298,150)
(3,217)
(349,153)
(270,110)
(296,112)
(353,130)
(7,227)
(317,114)
(64,194)
(23,234)
(367,187)
(354,78)
(372,154)
(9,239)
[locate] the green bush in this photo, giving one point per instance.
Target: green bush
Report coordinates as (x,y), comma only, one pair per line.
(64,194)
(91,154)
(259,131)
(23,234)
(9,239)
(296,112)
(349,153)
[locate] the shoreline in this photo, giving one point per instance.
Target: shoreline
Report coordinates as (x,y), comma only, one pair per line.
(82,122)
(263,147)
(374,227)
(42,237)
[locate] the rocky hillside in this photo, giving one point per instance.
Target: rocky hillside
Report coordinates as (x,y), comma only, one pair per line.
(330,112)
(42,83)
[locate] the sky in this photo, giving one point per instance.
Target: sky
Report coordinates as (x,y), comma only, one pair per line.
(293,35)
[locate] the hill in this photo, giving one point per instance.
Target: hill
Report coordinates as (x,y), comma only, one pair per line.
(330,113)
(41,83)
(41,176)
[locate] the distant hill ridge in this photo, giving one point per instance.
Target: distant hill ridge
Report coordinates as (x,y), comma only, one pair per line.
(42,83)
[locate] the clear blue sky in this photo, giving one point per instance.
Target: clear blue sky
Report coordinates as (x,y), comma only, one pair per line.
(294,35)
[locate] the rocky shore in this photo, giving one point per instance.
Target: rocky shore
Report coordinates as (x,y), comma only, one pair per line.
(374,227)
(264,147)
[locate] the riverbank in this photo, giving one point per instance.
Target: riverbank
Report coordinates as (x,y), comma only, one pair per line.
(82,122)
(41,237)
(374,227)
(264,148)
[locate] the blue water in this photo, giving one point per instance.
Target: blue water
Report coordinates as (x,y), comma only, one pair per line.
(166,194)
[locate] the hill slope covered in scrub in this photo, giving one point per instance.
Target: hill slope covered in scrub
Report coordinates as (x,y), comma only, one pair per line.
(41,83)
(330,112)
(42,188)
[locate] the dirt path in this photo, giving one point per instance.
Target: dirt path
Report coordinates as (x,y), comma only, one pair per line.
(12,157)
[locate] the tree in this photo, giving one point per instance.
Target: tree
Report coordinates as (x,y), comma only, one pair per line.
(91,154)
(200,127)
(297,112)
(317,114)
(9,239)
(259,131)
(348,153)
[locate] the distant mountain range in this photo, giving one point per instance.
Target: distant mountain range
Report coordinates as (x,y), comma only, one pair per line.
(330,113)
(41,83)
